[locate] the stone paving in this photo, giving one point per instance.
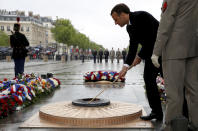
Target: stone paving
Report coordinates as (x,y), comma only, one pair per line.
(73,87)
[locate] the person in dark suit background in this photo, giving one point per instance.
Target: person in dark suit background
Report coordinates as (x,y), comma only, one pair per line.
(142,29)
(106,54)
(124,53)
(18,42)
(94,53)
(83,53)
(100,54)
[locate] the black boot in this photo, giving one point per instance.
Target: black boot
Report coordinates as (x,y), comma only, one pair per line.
(152,116)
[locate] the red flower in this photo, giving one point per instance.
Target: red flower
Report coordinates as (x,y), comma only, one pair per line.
(164,6)
(5,79)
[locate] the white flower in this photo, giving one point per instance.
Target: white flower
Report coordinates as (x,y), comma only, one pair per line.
(18,108)
(14,88)
(33,93)
(103,77)
(40,88)
(13,81)
(95,73)
(28,97)
(86,74)
(54,81)
(92,77)
(110,77)
(20,98)
(5,92)
(116,77)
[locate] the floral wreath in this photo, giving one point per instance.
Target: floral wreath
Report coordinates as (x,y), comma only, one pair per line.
(95,76)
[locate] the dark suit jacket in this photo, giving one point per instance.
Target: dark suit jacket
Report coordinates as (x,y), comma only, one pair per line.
(94,53)
(142,30)
(100,53)
(124,53)
(106,53)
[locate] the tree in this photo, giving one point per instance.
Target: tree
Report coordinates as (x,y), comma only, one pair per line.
(4,39)
(64,32)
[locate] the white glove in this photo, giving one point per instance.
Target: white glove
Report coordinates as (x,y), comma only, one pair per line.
(155,62)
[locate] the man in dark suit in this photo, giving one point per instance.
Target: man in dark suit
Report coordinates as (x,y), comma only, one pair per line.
(106,54)
(18,42)
(94,53)
(100,55)
(142,29)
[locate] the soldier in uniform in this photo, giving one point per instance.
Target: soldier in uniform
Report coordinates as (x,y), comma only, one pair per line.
(177,43)
(106,54)
(118,54)
(142,29)
(112,55)
(18,42)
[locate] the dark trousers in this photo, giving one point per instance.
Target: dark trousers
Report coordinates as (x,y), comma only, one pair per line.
(83,58)
(106,59)
(150,74)
(71,57)
(100,59)
(118,60)
(185,107)
(19,66)
(94,59)
(123,58)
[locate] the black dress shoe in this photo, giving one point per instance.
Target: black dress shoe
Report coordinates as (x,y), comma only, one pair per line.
(152,116)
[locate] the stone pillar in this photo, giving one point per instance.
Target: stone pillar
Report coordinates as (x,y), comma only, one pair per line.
(63,58)
(45,58)
(8,58)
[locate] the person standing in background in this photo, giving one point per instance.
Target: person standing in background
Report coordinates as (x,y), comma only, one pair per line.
(124,54)
(112,55)
(83,52)
(100,54)
(18,42)
(106,54)
(94,53)
(118,55)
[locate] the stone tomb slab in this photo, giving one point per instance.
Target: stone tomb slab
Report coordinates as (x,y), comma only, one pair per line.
(66,115)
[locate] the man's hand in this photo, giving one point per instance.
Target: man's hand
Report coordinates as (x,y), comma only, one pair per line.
(123,72)
(136,61)
(155,62)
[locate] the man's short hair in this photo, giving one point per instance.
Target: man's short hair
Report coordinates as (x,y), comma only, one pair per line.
(119,8)
(16,27)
